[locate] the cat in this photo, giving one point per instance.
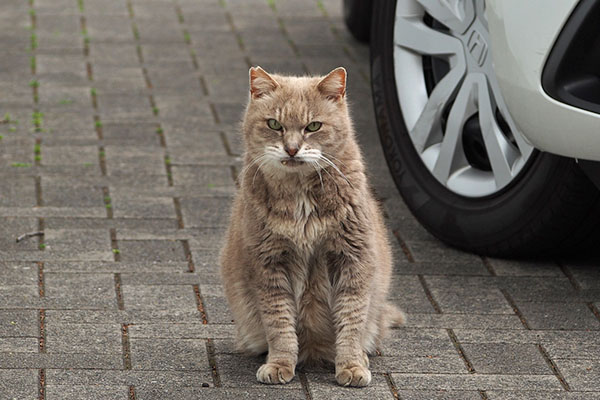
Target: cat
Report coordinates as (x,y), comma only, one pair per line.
(306,264)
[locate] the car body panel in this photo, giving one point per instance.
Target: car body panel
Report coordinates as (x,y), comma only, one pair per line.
(522,35)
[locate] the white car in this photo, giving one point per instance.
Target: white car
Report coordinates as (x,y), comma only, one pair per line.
(489,116)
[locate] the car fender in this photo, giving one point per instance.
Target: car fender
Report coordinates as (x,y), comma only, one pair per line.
(522,34)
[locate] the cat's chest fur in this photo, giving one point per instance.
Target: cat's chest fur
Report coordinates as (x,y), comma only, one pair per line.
(300,217)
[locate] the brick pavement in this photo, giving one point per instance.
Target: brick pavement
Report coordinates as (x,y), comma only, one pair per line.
(119,142)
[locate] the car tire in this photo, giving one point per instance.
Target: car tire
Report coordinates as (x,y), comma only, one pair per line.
(550,207)
(357,16)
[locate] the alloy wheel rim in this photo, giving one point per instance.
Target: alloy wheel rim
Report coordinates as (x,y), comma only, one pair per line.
(437,120)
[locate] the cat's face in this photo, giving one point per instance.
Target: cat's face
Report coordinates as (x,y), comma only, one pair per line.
(295,124)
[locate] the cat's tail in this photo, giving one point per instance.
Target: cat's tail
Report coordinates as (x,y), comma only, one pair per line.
(395,316)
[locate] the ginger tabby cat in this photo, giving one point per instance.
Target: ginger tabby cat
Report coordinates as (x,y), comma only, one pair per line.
(306,265)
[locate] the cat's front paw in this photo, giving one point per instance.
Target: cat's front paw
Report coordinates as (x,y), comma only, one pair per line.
(275,373)
(353,375)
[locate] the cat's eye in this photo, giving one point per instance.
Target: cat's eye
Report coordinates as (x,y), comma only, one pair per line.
(274,124)
(313,126)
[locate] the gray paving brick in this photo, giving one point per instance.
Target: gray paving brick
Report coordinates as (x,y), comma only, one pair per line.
(438,395)
(95,290)
(187,81)
(436,251)
(157,392)
(96,392)
(324,386)
(169,354)
(525,268)
(580,374)
(124,107)
(445,362)
(69,155)
(145,269)
(200,138)
(209,178)
(402,267)
(559,316)
(71,195)
(456,295)
(78,244)
(20,323)
(151,250)
(18,192)
(115,54)
(530,395)
(206,212)
(157,54)
(499,358)
(142,207)
(115,223)
(133,316)
(182,330)
(165,33)
(155,297)
(539,289)
(19,345)
(158,278)
(18,383)
(174,106)
(465,321)
(107,378)
(82,338)
(12,273)
(109,28)
(60,360)
(586,274)
(475,382)
(121,160)
(217,309)
(128,134)
(229,113)
(408,293)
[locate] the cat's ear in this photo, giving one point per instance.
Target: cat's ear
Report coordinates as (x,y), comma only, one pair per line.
(260,82)
(333,86)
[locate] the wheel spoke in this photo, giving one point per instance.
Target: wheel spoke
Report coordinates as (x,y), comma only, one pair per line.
(455,14)
(480,10)
(451,154)
(428,129)
(413,34)
(501,153)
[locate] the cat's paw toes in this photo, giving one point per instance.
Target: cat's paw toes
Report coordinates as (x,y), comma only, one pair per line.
(353,375)
(273,373)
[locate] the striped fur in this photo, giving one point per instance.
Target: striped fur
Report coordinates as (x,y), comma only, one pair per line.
(306,265)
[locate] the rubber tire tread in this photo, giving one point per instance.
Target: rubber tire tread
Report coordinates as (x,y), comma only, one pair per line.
(357,16)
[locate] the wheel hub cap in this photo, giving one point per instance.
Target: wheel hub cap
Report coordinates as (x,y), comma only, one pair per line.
(436,120)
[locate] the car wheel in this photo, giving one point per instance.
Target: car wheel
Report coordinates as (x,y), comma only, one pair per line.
(456,156)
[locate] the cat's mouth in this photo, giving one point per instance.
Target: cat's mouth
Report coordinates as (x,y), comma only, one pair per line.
(291,162)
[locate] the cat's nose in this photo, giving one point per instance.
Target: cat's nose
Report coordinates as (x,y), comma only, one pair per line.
(291,150)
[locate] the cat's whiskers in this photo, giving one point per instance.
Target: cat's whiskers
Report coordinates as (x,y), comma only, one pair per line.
(258,169)
(254,161)
(331,156)
(328,173)
(332,164)
(269,152)
(312,163)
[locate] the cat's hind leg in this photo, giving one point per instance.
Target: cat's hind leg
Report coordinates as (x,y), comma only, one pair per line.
(250,335)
